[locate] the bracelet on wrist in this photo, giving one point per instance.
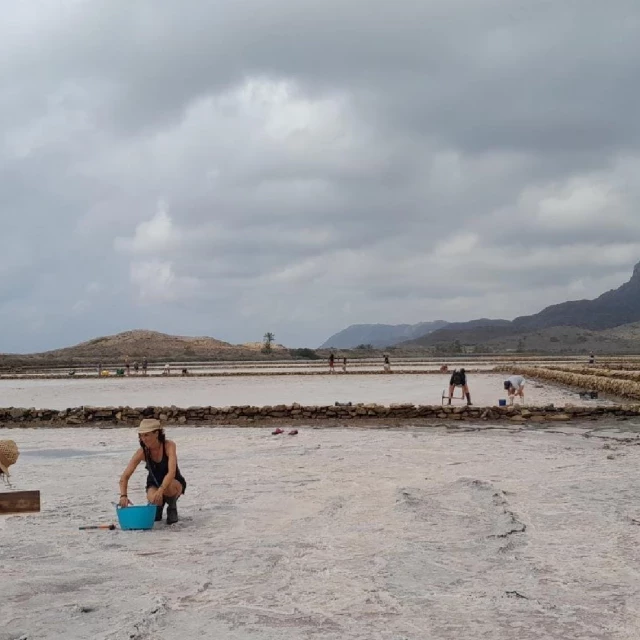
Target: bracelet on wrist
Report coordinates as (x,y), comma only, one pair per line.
(124,495)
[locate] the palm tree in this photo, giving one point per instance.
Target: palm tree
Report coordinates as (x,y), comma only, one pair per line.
(268,339)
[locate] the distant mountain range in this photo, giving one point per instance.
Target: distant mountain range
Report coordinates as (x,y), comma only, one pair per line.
(608,324)
(380,335)
(615,308)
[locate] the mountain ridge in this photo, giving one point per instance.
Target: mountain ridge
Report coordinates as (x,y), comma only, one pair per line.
(614,308)
(379,335)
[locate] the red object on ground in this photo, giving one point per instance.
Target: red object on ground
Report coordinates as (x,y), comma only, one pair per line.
(278,431)
(293,432)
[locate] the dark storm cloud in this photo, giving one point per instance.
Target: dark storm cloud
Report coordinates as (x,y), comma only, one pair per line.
(296,167)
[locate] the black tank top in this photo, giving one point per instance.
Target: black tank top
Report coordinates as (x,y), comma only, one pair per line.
(158,470)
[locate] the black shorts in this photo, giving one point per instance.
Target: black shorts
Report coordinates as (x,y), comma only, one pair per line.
(151,483)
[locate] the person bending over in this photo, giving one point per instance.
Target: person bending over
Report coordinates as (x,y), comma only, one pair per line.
(514,387)
(459,379)
(165,483)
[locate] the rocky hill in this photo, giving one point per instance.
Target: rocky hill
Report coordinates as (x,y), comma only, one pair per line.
(466,333)
(379,335)
(564,340)
(141,344)
(627,331)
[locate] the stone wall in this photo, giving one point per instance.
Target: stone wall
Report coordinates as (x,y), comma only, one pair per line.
(613,384)
(360,414)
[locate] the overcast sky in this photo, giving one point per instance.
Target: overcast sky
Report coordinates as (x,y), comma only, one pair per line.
(232,168)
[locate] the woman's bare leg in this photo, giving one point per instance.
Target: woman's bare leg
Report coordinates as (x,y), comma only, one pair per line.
(174,490)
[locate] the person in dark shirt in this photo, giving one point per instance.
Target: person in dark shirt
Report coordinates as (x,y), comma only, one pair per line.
(459,379)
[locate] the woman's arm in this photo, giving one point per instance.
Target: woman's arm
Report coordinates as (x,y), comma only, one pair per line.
(136,459)
(170,448)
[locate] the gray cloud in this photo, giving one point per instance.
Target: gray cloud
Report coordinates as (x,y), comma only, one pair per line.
(232,169)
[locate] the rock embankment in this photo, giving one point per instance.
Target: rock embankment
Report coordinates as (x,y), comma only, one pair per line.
(358,415)
(613,385)
(617,374)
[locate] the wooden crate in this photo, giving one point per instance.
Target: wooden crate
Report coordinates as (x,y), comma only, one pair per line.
(19,502)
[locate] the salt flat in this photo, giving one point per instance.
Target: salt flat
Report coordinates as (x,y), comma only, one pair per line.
(486,389)
(334,534)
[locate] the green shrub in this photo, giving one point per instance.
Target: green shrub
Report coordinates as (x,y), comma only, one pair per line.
(308,354)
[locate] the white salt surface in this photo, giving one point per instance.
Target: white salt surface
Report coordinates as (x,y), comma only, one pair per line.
(176,371)
(333,534)
(486,389)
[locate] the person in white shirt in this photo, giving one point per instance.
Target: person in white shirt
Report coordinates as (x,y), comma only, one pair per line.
(514,386)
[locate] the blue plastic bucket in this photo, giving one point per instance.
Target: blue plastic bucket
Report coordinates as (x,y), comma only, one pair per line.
(136,517)
(502,402)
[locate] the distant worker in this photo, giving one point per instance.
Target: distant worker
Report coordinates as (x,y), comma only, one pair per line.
(185,372)
(515,387)
(344,365)
(459,379)
(167,370)
(332,360)
(592,358)
(136,366)
(387,364)
(144,367)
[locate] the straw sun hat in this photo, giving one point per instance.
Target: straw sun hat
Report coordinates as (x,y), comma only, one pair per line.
(8,455)
(148,425)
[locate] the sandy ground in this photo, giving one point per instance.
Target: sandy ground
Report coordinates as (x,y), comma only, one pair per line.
(333,534)
(486,389)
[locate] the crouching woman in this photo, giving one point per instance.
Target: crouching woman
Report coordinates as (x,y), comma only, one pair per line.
(165,483)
